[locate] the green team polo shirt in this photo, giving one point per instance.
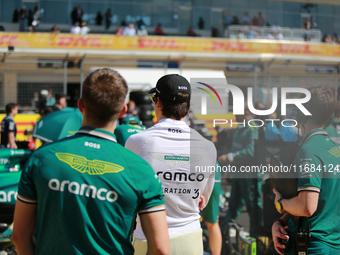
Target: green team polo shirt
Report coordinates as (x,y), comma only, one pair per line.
(88,190)
(243,146)
(318,163)
(123,132)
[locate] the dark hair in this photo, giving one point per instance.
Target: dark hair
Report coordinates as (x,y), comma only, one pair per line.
(321,104)
(10,107)
(176,109)
(104,93)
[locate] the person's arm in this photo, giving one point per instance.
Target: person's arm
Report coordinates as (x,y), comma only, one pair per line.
(11,140)
(305,204)
(24,226)
(155,229)
(278,232)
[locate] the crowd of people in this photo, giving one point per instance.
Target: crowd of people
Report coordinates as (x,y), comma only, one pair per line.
(251,31)
(88,199)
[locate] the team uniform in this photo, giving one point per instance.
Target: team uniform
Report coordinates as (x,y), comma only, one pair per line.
(318,165)
(88,190)
(123,132)
(180,158)
(211,211)
(7,126)
(242,184)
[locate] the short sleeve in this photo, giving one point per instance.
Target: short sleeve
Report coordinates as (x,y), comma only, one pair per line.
(309,169)
(27,189)
(11,126)
(149,186)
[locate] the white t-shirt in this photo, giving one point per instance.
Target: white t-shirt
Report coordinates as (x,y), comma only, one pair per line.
(180,157)
(75,30)
(84,30)
(129,31)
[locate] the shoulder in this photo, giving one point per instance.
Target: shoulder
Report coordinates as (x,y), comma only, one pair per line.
(195,136)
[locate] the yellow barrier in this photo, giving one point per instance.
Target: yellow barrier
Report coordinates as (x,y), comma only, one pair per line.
(164,43)
(23,121)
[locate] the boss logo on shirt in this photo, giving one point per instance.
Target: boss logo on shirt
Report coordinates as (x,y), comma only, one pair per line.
(92,145)
(172,130)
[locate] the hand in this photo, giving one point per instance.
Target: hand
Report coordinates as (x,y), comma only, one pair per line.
(277,197)
(201,203)
(278,232)
(223,159)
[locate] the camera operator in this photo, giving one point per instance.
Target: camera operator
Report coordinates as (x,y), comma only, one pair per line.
(317,204)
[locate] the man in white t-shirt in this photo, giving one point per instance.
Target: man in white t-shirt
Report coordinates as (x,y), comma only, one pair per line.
(130,30)
(183,161)
(75,29)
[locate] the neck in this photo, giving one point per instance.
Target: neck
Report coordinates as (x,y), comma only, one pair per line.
(310,126)
(163,117)
(109,126)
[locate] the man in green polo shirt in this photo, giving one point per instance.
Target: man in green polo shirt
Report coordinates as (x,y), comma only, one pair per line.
(80,195)
(131,125)
(318,200)
(243,189)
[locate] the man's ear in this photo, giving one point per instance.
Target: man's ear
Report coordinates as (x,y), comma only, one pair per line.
(159,103)
(123,111)
(80,105)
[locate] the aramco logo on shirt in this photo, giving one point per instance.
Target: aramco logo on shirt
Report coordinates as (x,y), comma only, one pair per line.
(92,167)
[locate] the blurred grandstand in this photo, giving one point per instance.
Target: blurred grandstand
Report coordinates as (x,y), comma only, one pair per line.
(58,62)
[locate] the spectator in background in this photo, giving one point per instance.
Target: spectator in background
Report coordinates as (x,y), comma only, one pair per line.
(279,35)
(35,100)
(335,38)
(159,30)
(200,23)
(108,18)
(271,36)
(235,21)
(15,18)
(276,27)
(241,35)
(228,19)
(22,18)
(255,21)
(191,32)
(328,38)
(307,37)
(245,19)
(140,23)
(130,30)
(75,29)
(119,31)
(84,30)
(74,15)
(29,17)
(261,20)
(36,15)
(251,33)
(55,30)
(50,99)
(99,19)
(142,31)
(60,101)
(307,24)
(80,13)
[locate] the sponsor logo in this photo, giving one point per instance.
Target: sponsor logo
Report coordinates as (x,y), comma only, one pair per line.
(83,190)
(92,167)
(8,197)
(92,145)
(181,176)
(172,159)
